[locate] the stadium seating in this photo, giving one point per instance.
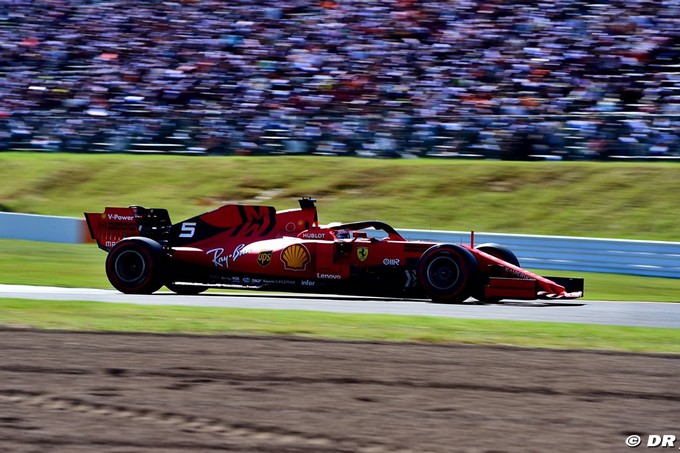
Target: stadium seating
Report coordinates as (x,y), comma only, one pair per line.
(388,78)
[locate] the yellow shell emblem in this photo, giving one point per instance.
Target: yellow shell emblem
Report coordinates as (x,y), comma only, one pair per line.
(295,257)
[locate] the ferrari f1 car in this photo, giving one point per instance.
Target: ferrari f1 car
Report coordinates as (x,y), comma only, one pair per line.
(260,248)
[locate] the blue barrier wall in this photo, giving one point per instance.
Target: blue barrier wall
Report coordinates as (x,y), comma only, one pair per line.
(42,228)
(615,256)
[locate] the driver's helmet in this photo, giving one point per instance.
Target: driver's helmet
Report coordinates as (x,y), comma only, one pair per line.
(342,234)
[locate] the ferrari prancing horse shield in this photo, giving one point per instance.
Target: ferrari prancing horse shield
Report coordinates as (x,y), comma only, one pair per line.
(362,253)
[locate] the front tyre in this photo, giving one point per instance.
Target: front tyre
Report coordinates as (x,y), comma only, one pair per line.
(445,272)
(498,251)
(135,266)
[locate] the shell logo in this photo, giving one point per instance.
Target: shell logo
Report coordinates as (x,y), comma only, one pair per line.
(295,257)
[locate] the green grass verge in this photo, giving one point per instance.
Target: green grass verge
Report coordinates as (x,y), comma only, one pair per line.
(616,200)
(51,264)
(91,316)
(82,265)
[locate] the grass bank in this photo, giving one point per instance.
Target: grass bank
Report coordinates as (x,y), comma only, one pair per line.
(617,200)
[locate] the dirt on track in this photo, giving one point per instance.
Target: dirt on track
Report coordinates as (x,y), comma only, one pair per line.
(125,393)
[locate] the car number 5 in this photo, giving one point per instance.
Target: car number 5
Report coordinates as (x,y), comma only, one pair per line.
(188,230)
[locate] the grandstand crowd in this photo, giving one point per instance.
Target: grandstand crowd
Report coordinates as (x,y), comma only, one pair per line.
(570,79)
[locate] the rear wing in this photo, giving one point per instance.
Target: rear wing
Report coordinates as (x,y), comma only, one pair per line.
(114,224)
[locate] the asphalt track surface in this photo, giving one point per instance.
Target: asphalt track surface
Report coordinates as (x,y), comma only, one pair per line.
(639,314)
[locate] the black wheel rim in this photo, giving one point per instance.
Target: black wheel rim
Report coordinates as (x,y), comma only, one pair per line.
(443,273)
(130,266)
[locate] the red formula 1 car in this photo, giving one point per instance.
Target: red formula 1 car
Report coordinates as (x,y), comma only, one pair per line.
(258,247)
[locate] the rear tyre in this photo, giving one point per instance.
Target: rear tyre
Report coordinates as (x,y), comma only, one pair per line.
(135,266)
(186,290)
(498,251)
(445,272)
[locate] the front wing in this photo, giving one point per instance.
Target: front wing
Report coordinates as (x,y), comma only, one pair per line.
(520,288)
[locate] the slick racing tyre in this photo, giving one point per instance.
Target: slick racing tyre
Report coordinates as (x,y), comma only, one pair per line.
(186,290)
(498,251)
(446,271)
(135,266)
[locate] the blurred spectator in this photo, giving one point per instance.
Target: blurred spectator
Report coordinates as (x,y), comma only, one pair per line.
(506,79)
